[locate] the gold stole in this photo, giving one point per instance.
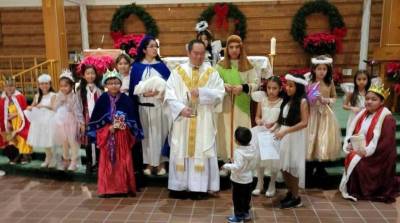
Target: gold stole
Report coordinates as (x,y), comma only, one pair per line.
(193,83)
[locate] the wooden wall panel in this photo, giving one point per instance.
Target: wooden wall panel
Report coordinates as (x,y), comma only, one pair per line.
(22,29)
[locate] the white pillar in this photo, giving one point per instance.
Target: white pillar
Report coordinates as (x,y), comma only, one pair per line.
(84,25)
(364,34)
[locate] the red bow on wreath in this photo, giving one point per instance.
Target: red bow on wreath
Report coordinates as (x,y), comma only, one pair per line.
(339,34)
(221,11)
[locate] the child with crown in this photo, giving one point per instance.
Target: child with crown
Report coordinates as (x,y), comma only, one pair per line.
(112,125)
(370,166)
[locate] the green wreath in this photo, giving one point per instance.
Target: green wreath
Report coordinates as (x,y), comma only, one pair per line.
(117,23)
(233,12)
(299,26)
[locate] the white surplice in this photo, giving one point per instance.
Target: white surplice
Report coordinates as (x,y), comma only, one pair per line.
(193,161)
(154,121)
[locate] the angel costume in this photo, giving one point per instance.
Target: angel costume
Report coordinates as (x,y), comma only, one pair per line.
(323,128)
(40,131)
(67,119)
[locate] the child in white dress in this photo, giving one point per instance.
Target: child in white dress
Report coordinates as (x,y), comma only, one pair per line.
(68,122)
(40,114)
(355,101)
(267,115)
(292,132)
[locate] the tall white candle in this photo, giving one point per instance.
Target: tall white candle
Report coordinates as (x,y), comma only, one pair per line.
(158,49)
(273,46)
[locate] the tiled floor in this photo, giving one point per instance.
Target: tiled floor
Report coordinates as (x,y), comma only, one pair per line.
(27,200)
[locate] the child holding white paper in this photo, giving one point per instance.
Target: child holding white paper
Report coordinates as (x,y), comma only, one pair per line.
(268,110)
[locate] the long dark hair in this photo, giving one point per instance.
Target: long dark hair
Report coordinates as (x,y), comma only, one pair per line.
(142,46)
(210,38)
(354,96)
(41,93)
(294,114)
(329,73)
(278,81)
(83,82)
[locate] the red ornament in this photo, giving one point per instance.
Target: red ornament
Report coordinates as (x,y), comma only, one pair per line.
(221,11)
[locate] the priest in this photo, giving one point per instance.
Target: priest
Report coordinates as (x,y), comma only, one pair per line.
(194,93)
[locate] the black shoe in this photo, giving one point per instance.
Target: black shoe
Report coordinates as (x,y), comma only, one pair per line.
(89,169)
(287,197)
(292,203)
(198,196)
(178,194)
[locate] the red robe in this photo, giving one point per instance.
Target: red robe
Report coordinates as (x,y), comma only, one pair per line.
(21,104)
(117,178)
(374,177)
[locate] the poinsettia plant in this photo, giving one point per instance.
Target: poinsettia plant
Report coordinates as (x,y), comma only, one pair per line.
(393,74)
(128,42)
(100,64)
(320,43)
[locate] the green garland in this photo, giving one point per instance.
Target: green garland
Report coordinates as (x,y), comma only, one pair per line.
(299,25)
(117,23)
(234,13)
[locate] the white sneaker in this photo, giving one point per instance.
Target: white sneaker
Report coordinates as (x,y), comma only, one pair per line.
(72,166)
(271,191)
(256,192)
(223,172)
(147,172)
(44,164)
(161,172)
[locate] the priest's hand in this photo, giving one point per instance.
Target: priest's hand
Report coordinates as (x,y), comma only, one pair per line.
(194,93)
(186,112)
(236,90)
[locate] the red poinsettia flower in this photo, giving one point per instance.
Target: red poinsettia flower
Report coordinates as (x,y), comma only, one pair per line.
(100,64)
(132,52)
(392,68)
(317,39)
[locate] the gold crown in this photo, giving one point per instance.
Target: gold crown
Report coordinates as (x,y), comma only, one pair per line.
(8,79)
(379,89)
